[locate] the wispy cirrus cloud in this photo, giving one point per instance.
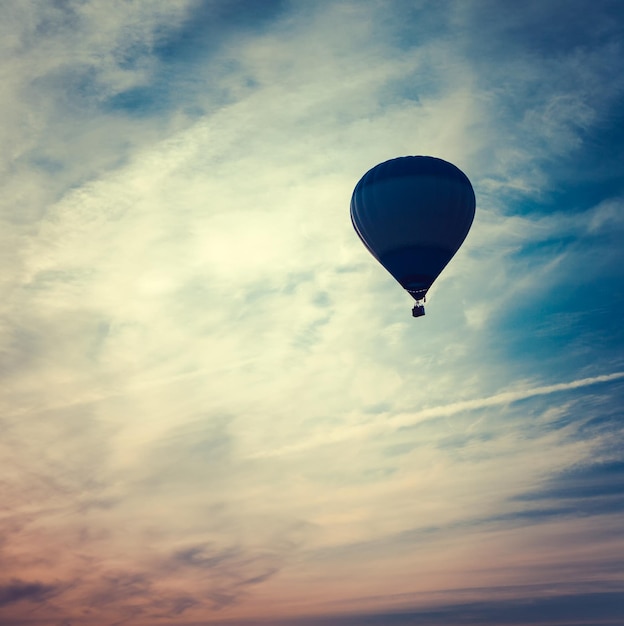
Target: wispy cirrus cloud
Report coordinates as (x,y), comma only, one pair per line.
(214,396)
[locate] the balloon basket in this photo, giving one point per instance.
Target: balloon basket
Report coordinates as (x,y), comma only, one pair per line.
(418,310)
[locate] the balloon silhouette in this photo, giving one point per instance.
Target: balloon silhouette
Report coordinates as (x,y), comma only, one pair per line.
(413,213)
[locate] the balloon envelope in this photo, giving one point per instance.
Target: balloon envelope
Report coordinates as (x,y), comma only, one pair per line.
(413,213)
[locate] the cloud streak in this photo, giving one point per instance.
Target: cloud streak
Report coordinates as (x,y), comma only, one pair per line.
(19,590)
(215,405)
(405,419)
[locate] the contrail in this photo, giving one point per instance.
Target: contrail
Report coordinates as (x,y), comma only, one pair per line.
(409,418)
(507,397)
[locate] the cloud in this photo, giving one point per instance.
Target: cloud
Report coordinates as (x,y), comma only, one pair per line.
(545,84)
(213,394)
(61,61)
(18,590)
(592,489)
(231,570)
(602,607)
(408,418)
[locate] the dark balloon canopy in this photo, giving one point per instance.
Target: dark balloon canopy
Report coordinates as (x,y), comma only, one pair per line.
(413,213)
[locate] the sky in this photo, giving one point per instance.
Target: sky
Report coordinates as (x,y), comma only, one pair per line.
(215,406)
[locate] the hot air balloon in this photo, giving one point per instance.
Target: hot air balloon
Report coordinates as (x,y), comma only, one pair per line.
(413,213)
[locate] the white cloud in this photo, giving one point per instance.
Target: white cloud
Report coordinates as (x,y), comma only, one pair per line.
(195,330)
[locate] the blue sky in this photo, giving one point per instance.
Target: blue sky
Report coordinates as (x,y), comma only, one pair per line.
(216,406)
